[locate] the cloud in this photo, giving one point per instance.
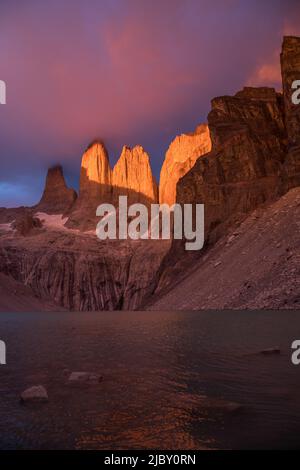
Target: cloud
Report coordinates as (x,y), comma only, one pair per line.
(268,73)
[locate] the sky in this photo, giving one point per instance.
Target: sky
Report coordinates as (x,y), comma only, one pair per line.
(127,72)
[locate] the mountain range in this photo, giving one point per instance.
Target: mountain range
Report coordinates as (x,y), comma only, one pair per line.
(243,165)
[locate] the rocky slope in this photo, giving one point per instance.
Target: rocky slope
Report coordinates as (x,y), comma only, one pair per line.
(256,266)
(180,158)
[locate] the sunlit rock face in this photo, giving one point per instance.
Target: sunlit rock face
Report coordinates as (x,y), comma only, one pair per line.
(180,158)
(94,188)
(57,197)
(290,66)
(95,175)
(132,176)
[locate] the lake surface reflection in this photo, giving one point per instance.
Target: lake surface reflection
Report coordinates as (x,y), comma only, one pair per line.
(162,374)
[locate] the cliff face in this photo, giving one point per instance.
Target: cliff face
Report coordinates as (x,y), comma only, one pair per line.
(254,159)
(94,187)
(132,177)
(248,149)
(57,197)
(290,66)
(180,158)
(95,175)
(255,153)
(78,272)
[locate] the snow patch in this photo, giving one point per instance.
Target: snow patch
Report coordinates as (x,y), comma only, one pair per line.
(52,221)
(6,227)
(57,222)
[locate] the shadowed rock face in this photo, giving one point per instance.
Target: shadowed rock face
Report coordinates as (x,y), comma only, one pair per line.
(57,197)
(180,158)
(78,272)
(255,153)
(290,66)
(243,169)
(254,159)
(132,177)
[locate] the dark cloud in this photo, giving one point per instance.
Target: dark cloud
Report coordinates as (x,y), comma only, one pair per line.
(126,71)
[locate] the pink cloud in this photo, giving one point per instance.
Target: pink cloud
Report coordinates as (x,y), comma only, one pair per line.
(268,73)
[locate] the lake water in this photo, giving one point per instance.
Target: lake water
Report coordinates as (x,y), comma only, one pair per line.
(160,372)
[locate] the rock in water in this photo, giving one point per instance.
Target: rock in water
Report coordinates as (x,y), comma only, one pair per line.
(78,378)
(180,158)
(132,177)
(57,197)
(35,394)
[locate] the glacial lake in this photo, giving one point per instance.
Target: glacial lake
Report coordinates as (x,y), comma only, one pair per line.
(164,377)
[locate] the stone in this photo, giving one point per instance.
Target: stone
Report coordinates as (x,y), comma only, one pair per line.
(35,394)
(180,158)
